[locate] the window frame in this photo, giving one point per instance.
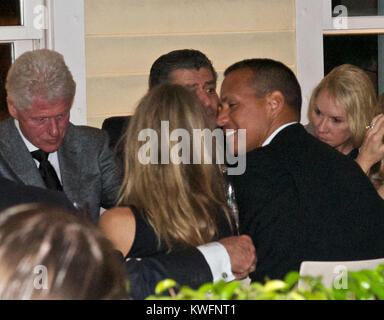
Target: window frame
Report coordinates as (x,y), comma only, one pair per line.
(27,31)
(65,34)
(310,28)
(62,30)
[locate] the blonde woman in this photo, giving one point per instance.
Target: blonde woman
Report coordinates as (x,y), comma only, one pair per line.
(166,206)
(342,110)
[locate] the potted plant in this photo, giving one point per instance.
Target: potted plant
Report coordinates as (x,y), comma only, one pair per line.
(362,285)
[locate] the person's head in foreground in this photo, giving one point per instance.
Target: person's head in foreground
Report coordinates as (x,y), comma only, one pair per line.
(181,199)
(341,107)
(258,95)
(47,253)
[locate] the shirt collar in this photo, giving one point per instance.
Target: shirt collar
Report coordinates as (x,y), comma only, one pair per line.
(29,145)
(270,138)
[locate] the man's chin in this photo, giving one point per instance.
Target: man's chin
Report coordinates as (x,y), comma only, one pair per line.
(50,148)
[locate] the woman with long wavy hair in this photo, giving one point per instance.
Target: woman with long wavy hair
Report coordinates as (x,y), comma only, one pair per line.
(167,205)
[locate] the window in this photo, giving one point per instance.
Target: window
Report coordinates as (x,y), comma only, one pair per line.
(52,24)
(10,13)
(340,49)
(333,32)
(357,8)
(21,29)
(6,50)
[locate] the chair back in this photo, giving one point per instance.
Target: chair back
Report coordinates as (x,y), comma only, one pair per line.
(115,127)
(332,272)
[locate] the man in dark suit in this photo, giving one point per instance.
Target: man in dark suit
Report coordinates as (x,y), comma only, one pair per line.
(78,161)
(299,199)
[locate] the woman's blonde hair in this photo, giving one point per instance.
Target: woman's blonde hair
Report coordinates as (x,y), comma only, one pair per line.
(182,202)
(353,89)
(48,253)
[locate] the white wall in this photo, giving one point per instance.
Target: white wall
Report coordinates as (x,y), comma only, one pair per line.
(66,35)
(309,44)
(124,37)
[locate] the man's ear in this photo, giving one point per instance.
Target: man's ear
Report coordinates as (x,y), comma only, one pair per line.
(275,101)
(12,109)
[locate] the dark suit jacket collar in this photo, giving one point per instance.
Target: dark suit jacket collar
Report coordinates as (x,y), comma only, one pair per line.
(15,153)
(287,135)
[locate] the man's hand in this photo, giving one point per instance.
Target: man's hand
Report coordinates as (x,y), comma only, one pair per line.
(242,253)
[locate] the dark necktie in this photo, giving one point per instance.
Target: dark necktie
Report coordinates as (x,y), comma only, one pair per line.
(47,172)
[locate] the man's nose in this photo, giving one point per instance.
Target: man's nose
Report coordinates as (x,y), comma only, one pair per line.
(323,125)
(203,97)
(53,127)
(223,116)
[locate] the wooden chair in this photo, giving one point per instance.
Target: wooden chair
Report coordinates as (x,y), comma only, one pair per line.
(333,271)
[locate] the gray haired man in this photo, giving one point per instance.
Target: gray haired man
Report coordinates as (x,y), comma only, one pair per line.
(40,147)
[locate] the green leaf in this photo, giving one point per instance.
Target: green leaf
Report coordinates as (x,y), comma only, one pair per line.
(339,294)
(266,296)
(365,284)
(165,285)
(187,293)
(219,286)
(292,278)
(205,288)
(227,292)
(378,290)
(274,285)
(257,286)
(295,296)
(159,298)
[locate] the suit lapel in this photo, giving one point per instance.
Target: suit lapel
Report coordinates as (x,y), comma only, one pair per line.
(15,153)
(69,162)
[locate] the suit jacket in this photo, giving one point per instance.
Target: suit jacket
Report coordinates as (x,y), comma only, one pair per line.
(299,199)
(12,194)
(88,168)
(187,267)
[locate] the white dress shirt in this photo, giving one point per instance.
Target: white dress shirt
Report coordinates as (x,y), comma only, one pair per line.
(218,260)
(274,133)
